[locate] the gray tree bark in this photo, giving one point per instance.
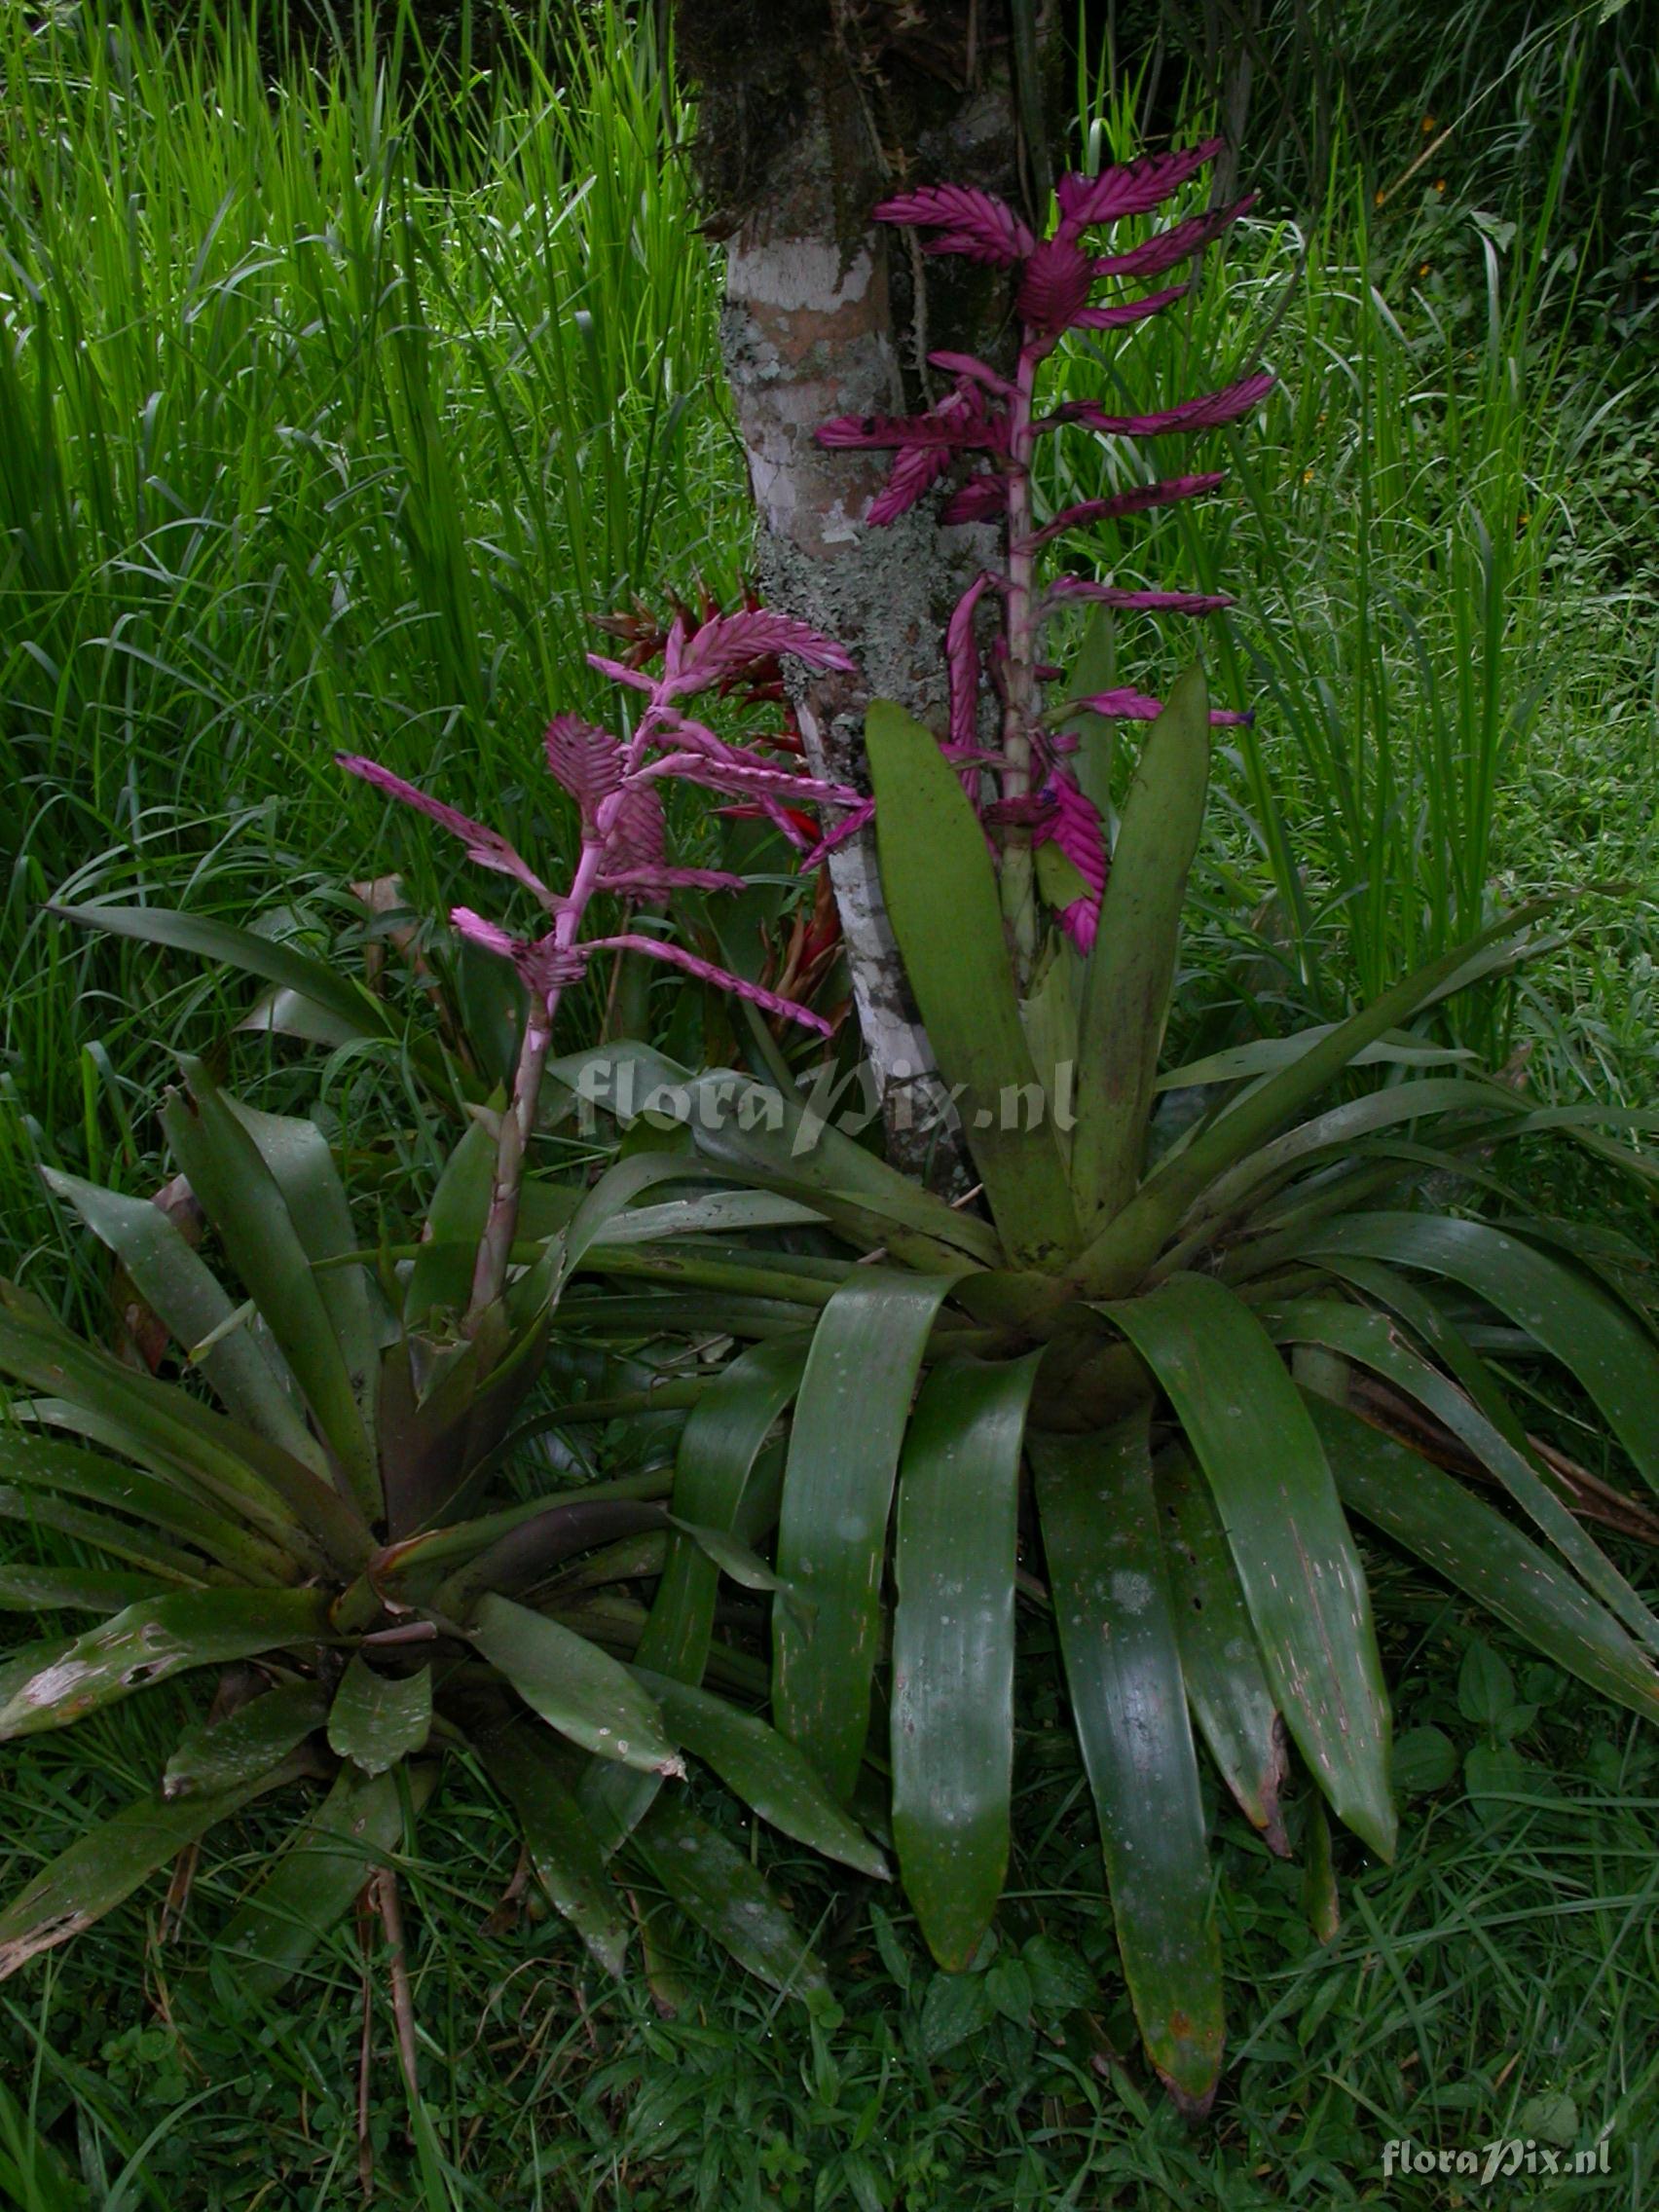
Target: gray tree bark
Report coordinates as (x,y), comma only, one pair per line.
(813,111)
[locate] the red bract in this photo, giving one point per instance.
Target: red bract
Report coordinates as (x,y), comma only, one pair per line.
(1147,602)
(616,788)
(1180,242)
(1136,707)
(1206,413)
(1129,502)
(585,759)
(1074,826)
(1017,789)
(1053,288)
(1131,187)
(970,223)
(980,499)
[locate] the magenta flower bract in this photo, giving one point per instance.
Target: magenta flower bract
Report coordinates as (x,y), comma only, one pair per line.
(990,420)
(614,783)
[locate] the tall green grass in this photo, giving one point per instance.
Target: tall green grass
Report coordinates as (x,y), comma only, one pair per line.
(328,415)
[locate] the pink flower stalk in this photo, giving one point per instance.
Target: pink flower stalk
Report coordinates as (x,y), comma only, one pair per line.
(991,420)
(616,785)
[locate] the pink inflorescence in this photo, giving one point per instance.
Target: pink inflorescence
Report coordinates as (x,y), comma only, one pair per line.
(989,419)
(615,784)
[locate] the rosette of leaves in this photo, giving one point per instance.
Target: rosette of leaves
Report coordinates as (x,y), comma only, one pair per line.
(1186,1350)
(327,1519)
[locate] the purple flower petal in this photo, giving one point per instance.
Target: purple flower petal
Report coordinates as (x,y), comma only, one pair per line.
(1205,412)
(1053,288)
(1148,601)
(981,499)
(915,471)
(1131,502)
(660,949)
(970,222)
(488,848)
(1131,187)
(1180,242)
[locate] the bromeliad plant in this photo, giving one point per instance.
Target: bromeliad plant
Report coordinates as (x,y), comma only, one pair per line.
(1198,1351)
(324,1530)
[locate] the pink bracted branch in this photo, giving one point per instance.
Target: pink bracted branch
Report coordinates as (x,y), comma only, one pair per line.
(614,783)
(991,418)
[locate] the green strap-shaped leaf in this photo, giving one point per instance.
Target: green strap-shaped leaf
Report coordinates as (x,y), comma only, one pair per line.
(244,1202)
(576,1687)
(46,1466)
(148,1642)
(138,1546)
(1486,1556)
(354,1831)
(1370,1340)
(30,1589)
(441,1278)
(1227,1685)
(1114,1263)
(227,946)
(953,1709)
(719,1447)
(784,1143)
(195,1309)
(941,900)
(246,1208)
(377,1719)
(715,1885)
(1298,1566)
(1593,1335)
(100,1870)
(167,1429)
(565,1856)
(849,1423)
(225,1753)
(1117,1631)
(770,1774)
(1131,970)
(302,1167)
(1339,1128)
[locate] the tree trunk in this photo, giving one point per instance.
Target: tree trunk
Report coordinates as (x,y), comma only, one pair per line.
(810,114)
